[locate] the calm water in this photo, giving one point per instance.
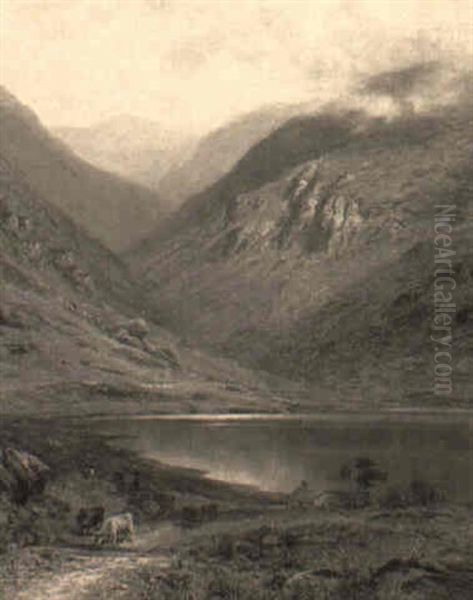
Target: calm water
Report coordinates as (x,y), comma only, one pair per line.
(277,453)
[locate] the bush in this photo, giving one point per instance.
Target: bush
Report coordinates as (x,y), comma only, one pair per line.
(417,493)
(424,494)
(191,515)
(394,497)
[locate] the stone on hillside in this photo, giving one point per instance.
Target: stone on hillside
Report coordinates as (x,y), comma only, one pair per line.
(138,328)
(124,337)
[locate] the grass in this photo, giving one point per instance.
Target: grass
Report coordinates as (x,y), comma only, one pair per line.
(247,548)
(328,557)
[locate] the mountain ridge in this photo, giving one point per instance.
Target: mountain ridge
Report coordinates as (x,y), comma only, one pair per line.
(241,256)
(135,148)
(111,208)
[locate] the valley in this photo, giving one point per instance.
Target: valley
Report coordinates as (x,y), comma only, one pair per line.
(233,348)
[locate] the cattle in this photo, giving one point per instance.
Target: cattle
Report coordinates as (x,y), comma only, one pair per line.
(28,473)
(117,528)
(209,511)
(197,514)
(88,519)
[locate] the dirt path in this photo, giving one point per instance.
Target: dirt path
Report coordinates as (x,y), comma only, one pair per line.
(82,572)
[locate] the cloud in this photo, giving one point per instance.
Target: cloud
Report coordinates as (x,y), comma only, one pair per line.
(400,83)
(194,64)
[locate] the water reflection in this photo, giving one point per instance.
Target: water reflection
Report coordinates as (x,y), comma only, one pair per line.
(276,454)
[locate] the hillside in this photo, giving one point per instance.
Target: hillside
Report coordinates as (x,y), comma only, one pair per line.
(138,149)
(111,209)
(219,151)
(63,296)
(313,257)
(75,337)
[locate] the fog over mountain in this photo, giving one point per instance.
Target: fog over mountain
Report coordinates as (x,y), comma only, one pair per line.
(138,149)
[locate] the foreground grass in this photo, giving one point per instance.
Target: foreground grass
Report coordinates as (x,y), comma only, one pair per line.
(413,554)
(253,549)
(87,470)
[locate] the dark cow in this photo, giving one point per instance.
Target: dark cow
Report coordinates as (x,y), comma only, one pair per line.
(209,511)
(28,474)
(88,519)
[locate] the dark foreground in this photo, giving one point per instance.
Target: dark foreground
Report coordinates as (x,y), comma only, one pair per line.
(199,539)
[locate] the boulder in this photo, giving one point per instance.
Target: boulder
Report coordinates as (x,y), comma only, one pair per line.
(138,328)
(124,337)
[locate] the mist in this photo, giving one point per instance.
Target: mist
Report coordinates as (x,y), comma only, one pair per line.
(192,66)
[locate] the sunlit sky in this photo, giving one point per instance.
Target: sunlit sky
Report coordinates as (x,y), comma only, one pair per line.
(192,65)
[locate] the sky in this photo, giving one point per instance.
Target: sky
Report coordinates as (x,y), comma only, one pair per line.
(193,65)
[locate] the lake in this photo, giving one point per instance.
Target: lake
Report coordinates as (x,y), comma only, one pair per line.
(276,453)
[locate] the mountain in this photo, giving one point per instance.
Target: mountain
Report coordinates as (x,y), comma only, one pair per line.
(75,333)
(135,148)
(113,210)
(314,257)
(218,152)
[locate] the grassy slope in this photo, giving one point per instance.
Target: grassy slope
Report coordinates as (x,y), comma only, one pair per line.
(63,296)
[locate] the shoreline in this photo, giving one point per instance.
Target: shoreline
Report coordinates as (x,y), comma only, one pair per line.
(242,416)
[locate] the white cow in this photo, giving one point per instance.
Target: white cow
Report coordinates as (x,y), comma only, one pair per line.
(116,528)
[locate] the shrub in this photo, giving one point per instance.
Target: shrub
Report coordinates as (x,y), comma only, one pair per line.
(394,497)
(417,493)
(225,547)
(424,494)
